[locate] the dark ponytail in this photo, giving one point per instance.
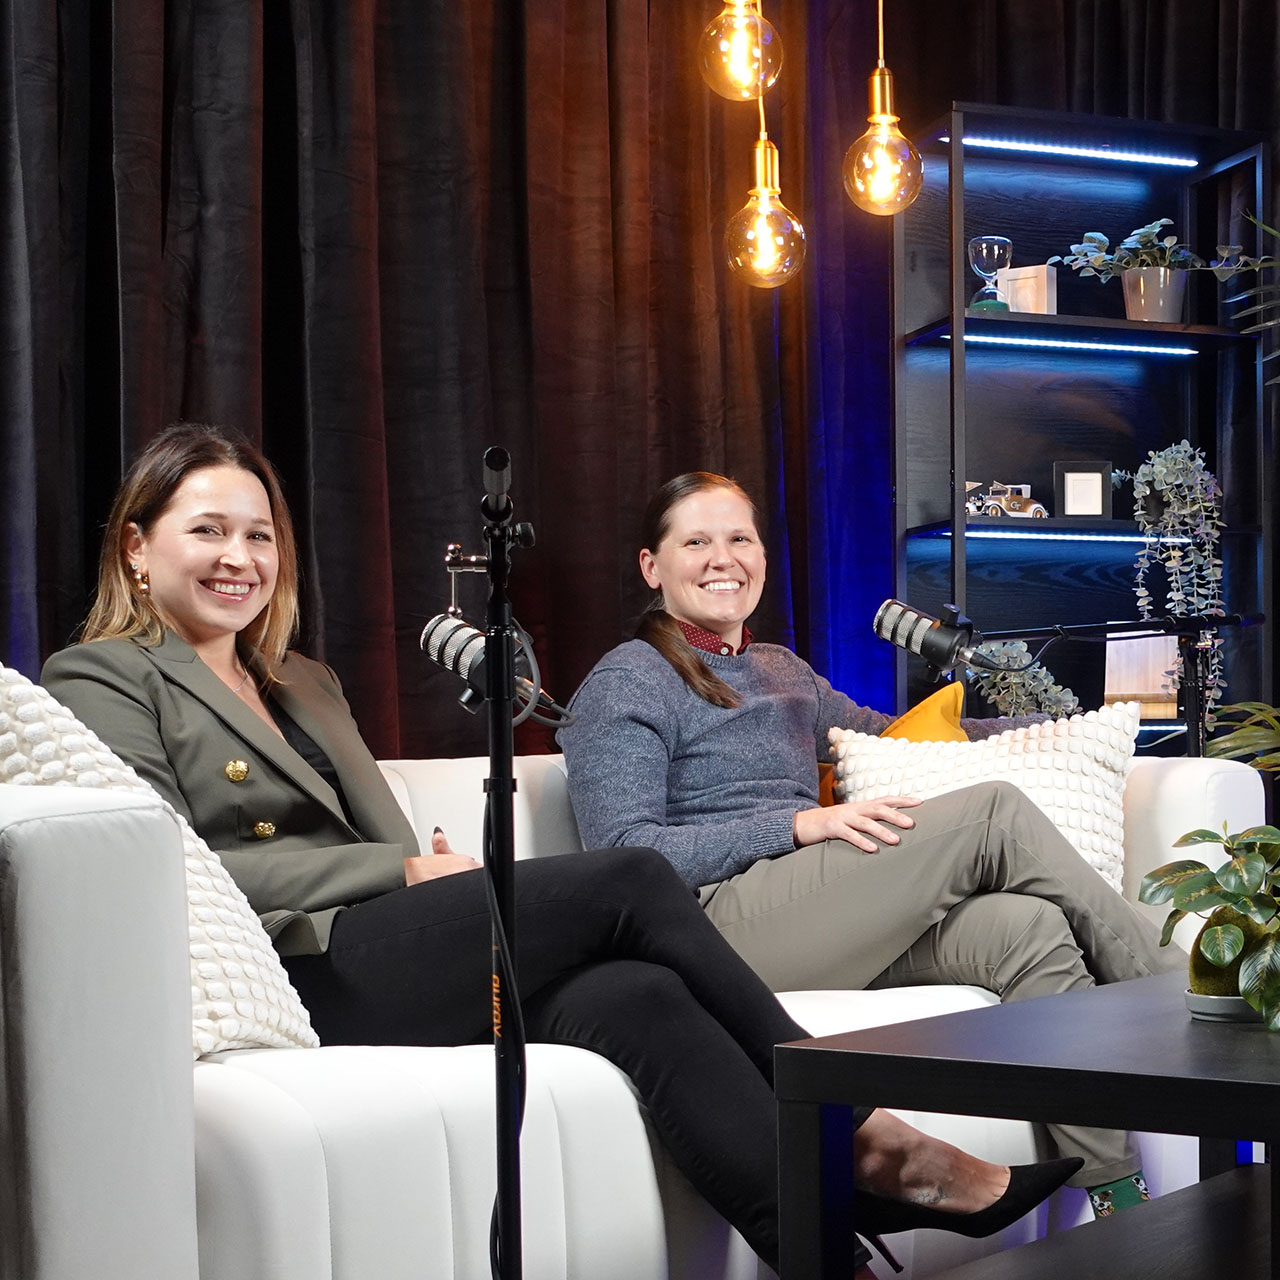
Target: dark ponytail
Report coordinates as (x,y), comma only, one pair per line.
(657,627)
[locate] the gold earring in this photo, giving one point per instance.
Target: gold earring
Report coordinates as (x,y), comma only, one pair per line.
(141,577)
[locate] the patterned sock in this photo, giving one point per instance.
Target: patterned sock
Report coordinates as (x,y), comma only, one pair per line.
(1123,1193)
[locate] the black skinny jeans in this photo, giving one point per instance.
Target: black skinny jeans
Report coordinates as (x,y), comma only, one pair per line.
(613,954)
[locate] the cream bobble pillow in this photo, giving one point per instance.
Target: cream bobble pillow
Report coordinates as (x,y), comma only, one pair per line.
(240,994)
(1073,768)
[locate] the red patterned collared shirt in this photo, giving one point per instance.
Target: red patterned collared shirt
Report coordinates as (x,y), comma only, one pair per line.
(709,642)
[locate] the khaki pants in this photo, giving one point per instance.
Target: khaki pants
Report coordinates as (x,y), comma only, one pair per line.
(983,890)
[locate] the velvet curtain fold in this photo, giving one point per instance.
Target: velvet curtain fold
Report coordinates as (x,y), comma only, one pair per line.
(379,235)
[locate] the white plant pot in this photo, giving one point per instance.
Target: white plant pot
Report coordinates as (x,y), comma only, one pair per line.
(1220,1008)
(1154,293)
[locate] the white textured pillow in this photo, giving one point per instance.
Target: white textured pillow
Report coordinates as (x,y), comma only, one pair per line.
(240,993)
(1073,768)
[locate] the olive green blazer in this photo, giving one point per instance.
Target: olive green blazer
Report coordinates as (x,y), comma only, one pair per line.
(277,825)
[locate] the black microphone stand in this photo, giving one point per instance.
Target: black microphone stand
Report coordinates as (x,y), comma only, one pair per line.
(501,535)
(1193,646)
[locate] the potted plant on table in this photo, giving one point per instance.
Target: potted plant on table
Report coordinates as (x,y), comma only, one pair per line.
(1236,957)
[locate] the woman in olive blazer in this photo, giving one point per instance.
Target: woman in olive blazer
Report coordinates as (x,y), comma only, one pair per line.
(184,669)
(282,831)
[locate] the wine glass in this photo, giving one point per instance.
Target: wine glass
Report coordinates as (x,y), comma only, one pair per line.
(987,254)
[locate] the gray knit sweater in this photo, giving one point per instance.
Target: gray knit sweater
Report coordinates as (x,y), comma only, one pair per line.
(712,788)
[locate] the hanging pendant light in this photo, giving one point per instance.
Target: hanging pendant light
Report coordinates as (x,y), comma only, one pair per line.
(764,241)
(883,172)
(739,52)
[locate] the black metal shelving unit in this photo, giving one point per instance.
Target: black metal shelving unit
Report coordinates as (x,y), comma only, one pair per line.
(999,397)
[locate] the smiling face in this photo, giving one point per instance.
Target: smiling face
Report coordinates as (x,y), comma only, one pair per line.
(709,564)
(210,556)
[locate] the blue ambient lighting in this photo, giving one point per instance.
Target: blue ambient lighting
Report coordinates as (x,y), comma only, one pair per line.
(1088,153)
(1062,344)
(1048,535)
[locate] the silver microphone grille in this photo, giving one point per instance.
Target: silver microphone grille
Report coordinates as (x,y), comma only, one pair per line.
(902,626)
(453,643)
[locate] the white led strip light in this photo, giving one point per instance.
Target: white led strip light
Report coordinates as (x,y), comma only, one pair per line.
(995,340)
(1084,153)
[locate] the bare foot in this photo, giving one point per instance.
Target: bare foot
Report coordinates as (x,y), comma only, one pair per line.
(899,1162)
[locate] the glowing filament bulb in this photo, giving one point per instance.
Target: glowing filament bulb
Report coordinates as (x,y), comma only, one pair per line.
(764,241)
(883,172)
(739,52)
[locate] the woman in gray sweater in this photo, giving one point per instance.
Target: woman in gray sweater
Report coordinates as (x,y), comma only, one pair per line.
(703,744)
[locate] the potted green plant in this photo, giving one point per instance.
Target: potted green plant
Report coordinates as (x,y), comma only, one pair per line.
(1236,955)
(1152,268)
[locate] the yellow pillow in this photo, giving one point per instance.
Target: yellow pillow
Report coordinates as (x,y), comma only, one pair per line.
(936,719)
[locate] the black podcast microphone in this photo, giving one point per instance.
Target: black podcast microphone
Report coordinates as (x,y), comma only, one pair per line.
(943,645)
(496,503)
(458,647)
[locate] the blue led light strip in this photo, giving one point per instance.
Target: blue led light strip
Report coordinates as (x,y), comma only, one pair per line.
(1062,344)
(1087,153)
(1053,536)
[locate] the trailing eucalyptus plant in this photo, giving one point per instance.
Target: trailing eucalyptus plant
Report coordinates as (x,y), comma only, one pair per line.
(1024,686)
(1238,949)
(1177,503)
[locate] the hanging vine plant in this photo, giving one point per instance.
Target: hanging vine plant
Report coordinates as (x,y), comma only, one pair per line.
(1022,686)
(1177,503)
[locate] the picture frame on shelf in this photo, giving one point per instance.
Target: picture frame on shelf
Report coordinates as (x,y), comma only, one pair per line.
(1032,290)
(1082,489)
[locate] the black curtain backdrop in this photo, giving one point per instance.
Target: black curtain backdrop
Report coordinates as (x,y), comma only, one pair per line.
(379,235)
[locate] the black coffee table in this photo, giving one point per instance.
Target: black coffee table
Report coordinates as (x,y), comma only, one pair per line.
(1125,1056)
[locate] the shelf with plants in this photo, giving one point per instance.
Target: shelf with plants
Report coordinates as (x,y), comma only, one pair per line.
(1085,384)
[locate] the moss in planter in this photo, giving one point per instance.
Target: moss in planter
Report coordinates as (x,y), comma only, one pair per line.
(1206,978)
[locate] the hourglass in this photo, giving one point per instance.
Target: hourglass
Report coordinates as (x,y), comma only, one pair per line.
(987,254)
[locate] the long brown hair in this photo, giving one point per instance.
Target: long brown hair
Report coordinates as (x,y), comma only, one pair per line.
(656,626)
(119,608)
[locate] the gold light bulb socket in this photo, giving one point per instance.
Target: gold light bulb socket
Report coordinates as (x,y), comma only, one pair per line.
(766,166)
(880,96)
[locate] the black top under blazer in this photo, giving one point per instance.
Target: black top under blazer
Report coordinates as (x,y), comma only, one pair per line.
(277,825)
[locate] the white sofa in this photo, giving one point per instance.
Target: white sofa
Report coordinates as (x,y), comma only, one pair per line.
(359,1163)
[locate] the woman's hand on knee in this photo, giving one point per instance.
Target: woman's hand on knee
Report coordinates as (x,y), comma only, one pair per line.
(865,824)
(441,861)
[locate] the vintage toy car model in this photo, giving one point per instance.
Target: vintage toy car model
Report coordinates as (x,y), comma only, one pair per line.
(1004,500)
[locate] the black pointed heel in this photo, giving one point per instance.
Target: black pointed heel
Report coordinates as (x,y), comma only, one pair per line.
(1029,1184)
(883,1250)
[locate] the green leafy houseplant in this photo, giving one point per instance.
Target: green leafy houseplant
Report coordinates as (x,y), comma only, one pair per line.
(1253,734)
(1264,299)
(1238,949)
(1142,247)
(1146,247)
